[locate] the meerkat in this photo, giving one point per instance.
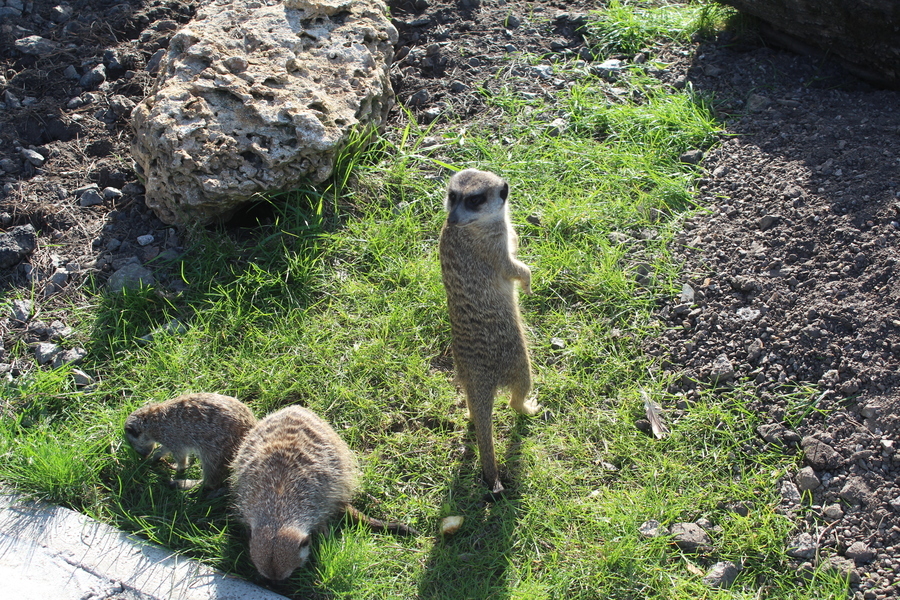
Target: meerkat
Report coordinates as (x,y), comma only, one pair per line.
(210,426)
(291,475)
(479,269)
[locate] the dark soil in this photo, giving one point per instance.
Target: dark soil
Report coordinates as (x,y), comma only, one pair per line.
(792,275)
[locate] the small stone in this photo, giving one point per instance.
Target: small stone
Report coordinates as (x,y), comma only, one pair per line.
(45,352)
(121,106)
(56,282)
(534,220)
(61,13)
(833,512)
(722,575)
(58,330)
(71,72)
(557,344)
(789,492)
(512,22)
(93,78)
(34,158)
(458,86)
(429,115)
(757,103)
(687,294)
(608,69)
(691,157)
(21,310)
(721,371)
(807,479)
(869,411)
(802,546)
(5,218)
(895,503)
(90,197)
(754,350)
(767,222)
(544,71)
(652,529)
(16,244)
(111,193)
(420,98)
(130,276)
(690,537)
(81,378)
(556,127)
(113,245)
(145,240)
(35,45)
(859,552)
(856,491)
(69,357)
(819,455)
(843,567)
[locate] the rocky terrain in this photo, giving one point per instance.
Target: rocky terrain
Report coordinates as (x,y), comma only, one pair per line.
(790,273)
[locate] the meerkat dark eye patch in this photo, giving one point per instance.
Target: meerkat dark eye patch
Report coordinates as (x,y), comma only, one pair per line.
(473,202)
(304,542)
(453,198)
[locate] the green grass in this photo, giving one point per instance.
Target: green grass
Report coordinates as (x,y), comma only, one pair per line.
(344,312)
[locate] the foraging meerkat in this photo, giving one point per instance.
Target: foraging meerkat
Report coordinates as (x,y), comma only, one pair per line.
(291,475)
(210,426)
(479,269)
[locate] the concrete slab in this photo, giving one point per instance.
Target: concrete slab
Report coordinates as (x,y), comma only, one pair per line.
(52,553)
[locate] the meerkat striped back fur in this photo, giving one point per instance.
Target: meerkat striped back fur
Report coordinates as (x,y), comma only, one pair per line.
(210,426)
(290,477)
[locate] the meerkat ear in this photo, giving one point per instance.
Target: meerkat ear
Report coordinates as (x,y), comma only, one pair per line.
(504,191)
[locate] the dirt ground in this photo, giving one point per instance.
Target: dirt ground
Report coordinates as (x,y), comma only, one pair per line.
(791,274)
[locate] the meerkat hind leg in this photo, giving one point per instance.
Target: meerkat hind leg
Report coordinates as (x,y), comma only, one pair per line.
(519,399)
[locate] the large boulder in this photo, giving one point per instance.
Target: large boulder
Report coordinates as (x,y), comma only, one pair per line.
(257,97)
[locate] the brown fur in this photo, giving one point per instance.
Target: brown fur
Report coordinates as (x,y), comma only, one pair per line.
(210,426)
(290,477)
(479,268)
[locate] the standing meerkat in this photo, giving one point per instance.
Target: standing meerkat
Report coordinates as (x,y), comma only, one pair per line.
(291,475)
(210,426)
(479,269)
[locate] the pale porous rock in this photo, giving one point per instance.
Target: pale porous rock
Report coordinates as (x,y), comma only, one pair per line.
(258,97)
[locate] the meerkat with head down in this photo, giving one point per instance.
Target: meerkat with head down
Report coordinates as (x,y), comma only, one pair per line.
(210,426)
(291,475)
(479,269)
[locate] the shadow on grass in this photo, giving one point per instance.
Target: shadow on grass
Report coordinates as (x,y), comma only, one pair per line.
(472,563)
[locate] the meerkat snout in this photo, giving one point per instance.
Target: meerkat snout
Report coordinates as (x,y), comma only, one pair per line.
(475,195)
(277,554)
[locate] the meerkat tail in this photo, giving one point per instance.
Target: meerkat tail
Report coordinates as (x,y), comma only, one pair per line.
(377,525)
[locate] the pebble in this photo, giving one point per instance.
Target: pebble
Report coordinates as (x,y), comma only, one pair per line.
(90,197)
(111,193)
(819,455)
(81,378)
(36,45)
(556,127)
(130,276)
(16,244)
(856,491)
(721,371)
(21,310)
(544,71)
(45,352)
(69,357)
(608,69)
(93,78)
(34,158)
(722,575)
(557,343)
(691,157)
(652,529)
(802,546)
(420,98)
(789,492)
(145,240)
(807,479)
(690,537)
(833,512)
(859,552)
